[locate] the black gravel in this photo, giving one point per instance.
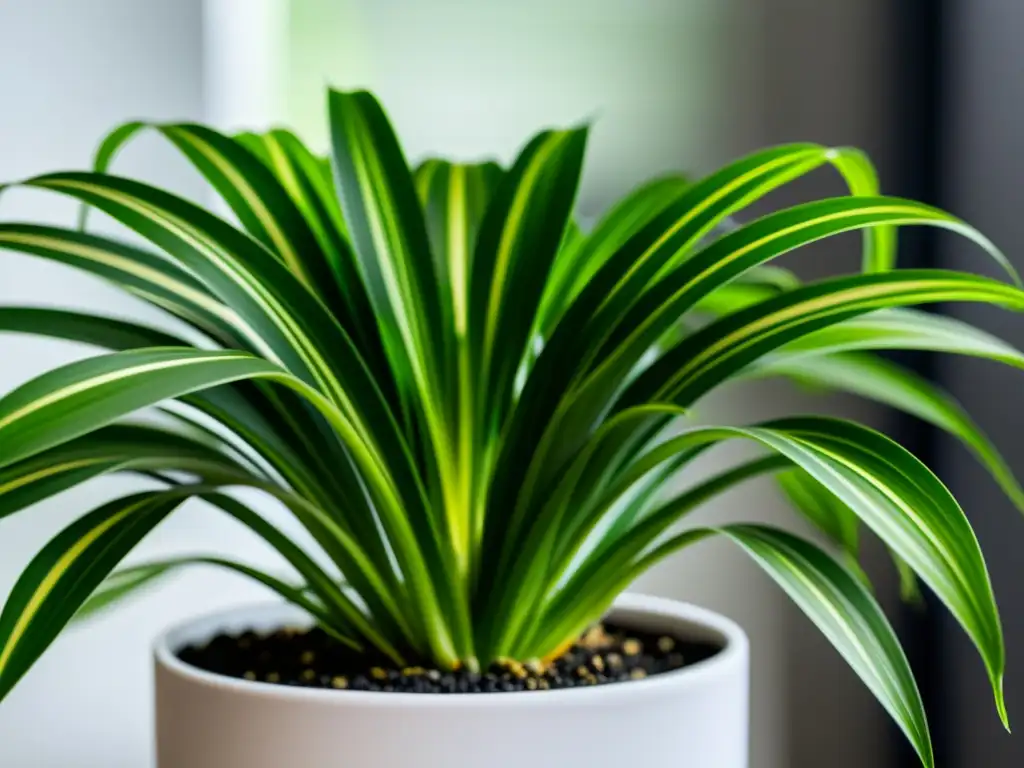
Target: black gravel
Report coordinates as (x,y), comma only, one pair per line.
(312,659)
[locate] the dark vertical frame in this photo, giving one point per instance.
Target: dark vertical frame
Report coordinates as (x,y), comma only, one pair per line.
(919,113)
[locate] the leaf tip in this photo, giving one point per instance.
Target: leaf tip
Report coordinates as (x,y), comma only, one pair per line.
(1004,717)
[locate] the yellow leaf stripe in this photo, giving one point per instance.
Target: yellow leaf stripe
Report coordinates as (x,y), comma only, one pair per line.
(128,266)
(840,301)
(840,630)
(705,204)
(238,275)
(97,381)
(391,249)
(259,209)
(50,471)
(50,581)
(510,234)
(458,246)
(912,213)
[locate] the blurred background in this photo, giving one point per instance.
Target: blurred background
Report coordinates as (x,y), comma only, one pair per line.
(931,88)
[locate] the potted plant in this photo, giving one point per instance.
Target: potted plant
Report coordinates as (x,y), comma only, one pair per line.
(473,407)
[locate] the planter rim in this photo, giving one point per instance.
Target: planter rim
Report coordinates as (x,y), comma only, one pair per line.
(664,612)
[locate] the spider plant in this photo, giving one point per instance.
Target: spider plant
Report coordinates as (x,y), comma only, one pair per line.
(473,407)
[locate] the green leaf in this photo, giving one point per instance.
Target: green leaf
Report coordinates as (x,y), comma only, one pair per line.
(913,513)
(907,329)
(278,425)
(290,325)
(844,611)
(831,596)
(455,199)
(83,396)
(264,197)
(823,510)
(720,350)
(99,331)
(893,385)
(889,490)
(125,582)
(80,397)
(114,448)
(839,524)
(139,272)
(388,626)
(643,291)
(599,571)
(311,188)
(105,154)
(282,320)
(67,570)
(472,406)
(575,267)
(516,248)
(390,238)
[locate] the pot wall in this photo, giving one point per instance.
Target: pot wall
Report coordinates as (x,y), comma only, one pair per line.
(693,718)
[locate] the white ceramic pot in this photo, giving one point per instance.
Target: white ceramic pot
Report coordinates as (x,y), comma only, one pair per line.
(693,718)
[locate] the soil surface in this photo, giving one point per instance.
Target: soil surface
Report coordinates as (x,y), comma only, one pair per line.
(312,659)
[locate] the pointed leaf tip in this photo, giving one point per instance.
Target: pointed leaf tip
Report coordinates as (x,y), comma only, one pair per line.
(1004,717)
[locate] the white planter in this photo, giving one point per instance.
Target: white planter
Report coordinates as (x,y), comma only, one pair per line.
(693,718)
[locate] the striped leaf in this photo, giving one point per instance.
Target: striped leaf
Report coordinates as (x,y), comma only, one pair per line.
(576,266)
(844,611)
(907,329)
(641,293)
(830,595)
(841,525)
(914,514)
(274,202)
(823,510)
(887,488)
(137,271)
(389,236)
(282,428)
(726,346)
(120,585)
(114,448)
(342,611)
(722,261)
(516,248)
(311,187)
(66,571)
(602,568)
(390,240)
(888,383)
(455,199)
(80,397)
(471,405)
(294,328)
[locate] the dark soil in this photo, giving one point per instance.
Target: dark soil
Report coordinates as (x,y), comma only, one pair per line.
(312,659)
